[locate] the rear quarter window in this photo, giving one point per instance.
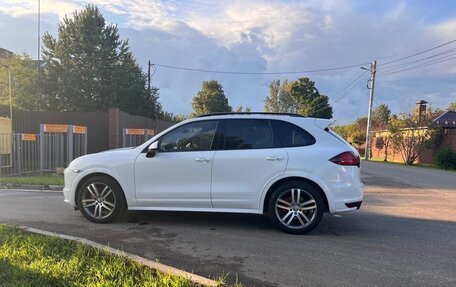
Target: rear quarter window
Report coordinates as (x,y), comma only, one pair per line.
(290,135)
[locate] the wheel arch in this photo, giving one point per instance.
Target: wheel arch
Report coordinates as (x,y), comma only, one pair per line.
(294,178)
(90,175)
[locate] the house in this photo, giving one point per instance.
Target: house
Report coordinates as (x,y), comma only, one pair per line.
(446,138)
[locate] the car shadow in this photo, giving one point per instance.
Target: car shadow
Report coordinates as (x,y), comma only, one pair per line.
(200,219)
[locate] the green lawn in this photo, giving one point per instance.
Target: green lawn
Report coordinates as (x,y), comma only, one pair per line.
(33,260)
(46,179)
(417,165)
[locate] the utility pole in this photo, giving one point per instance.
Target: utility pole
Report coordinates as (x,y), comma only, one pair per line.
(39,55)
(373,70)
(148,77)
(148,90)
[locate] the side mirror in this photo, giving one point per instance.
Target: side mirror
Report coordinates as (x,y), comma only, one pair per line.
(152,150)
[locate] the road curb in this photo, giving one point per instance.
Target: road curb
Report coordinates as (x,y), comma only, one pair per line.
(55,188)
(146,262)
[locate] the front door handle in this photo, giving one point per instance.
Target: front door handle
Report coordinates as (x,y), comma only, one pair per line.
(273,158)
(201,159)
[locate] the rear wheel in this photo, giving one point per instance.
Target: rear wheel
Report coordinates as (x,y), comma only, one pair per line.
(296,207)
(101,199)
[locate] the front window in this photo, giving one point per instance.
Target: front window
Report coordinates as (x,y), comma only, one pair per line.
(196,136)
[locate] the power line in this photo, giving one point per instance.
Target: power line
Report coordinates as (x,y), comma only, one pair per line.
(419,53)
(352,90)
(260,73)
(298,72)
(359,79)
(451,52)
(433,62)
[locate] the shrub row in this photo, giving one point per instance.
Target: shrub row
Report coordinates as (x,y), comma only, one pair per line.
(446,159)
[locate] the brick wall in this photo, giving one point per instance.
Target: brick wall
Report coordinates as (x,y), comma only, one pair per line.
(427,155)
(104,129)
(113,128)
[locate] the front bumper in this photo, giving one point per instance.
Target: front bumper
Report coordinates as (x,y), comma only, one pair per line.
(69,189)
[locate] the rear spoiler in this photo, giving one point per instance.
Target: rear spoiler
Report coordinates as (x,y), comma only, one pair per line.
(323,123)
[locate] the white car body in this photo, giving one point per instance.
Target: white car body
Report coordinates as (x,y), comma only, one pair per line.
(223,180)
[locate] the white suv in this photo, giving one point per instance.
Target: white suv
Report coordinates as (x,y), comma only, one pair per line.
(291,167)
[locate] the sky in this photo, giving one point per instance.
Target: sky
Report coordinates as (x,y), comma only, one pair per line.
(273,36)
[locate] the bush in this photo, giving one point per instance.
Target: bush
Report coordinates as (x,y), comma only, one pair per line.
(446,159)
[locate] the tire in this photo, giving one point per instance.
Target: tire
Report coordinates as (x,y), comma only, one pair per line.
(292,216)
(101,199)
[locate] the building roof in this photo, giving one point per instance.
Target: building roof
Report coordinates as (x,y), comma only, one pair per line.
(446,120)
(422,102)
(5,53)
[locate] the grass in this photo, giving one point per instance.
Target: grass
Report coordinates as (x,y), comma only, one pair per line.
(418,165)
(46,179)
(33,260)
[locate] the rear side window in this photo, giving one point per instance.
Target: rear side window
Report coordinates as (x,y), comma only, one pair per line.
(246,134)
(290,135)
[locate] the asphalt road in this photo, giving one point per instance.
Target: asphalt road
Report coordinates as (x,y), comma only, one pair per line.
(404,235)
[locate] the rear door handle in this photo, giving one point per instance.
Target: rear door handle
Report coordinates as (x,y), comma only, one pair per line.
(272,158)
(201,159)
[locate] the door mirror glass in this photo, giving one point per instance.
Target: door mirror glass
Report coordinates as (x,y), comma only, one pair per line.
(152,150)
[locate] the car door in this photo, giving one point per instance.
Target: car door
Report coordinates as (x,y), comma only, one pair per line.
(179,175)
(245,160)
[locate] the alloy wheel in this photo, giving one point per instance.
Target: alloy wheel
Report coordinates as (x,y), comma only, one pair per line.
(296,208)
(98,200)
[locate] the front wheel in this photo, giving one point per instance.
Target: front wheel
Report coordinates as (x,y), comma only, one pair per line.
(296,207)
(101,199)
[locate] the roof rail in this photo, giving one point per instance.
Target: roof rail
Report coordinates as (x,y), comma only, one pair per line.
(251,113)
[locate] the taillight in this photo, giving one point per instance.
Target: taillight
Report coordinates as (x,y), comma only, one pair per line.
(346,158)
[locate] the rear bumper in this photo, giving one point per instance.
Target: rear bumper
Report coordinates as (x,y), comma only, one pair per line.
(350,200)
(356,204)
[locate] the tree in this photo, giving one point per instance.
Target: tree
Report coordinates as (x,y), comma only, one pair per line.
(247,109)
(409,135)
(23,82)
(383,142)
(88,68)
(380,116)
(300,96)
(452,106)
(308,100)
(355,132)
(170,117)
(343,131)
(279,99)
(210,99)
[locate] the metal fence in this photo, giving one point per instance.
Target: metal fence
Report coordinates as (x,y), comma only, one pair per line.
(19,154)
(136,137)
(55,147)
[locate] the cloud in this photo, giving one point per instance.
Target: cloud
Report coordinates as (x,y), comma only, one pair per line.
(17,8)
(445,30)
(264,36)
